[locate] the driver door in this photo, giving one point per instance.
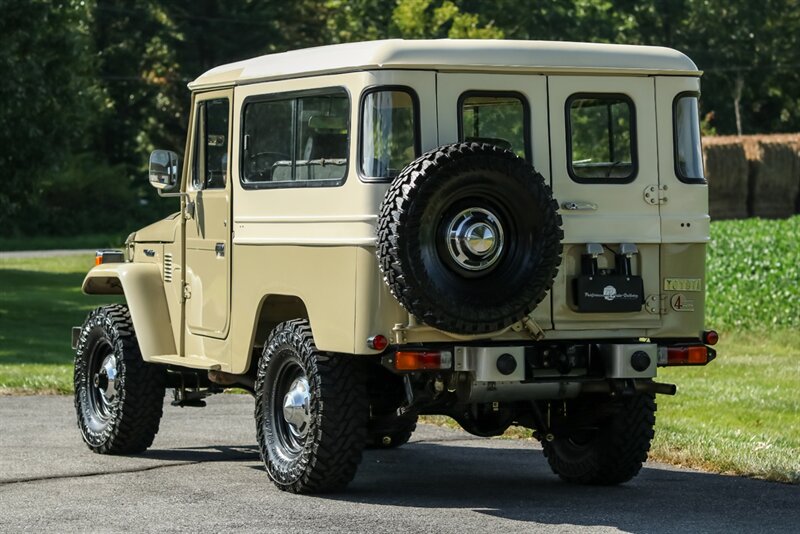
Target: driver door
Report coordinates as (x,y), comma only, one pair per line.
(208,226)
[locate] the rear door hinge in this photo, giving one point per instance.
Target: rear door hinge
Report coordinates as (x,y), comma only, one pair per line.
(655,194)
(656,304)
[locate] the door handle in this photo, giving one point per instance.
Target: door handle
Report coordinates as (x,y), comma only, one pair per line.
(220,249)
(188,214)
(578,206)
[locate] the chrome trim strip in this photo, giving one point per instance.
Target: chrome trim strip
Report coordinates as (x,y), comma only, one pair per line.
(308,241)
(306,218)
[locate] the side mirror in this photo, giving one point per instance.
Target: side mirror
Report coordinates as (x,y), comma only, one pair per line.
(164,170)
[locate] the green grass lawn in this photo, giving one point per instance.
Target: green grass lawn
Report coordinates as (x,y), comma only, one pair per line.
(40,301)
(741,413)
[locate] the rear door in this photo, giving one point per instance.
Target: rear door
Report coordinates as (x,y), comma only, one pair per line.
(605,177)
(504,109)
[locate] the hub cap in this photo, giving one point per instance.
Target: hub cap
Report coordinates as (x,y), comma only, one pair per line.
(475,239)
(296,404)
(105,383)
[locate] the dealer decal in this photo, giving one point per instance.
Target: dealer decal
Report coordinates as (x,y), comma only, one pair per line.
(610,294)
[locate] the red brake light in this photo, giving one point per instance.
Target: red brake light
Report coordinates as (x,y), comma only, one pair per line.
(710,337)
(378,342)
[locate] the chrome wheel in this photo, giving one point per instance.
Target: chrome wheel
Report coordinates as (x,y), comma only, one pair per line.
(103,385)
(291,416)
(296,409)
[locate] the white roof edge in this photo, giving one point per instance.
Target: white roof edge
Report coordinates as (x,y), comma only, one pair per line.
(453,55)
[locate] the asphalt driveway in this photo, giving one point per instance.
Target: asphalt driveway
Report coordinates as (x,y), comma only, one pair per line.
(203,473)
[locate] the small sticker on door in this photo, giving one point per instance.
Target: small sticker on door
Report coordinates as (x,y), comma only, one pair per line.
(681,303)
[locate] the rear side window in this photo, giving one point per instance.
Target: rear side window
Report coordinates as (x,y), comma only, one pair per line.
(389,132)
(497,118)
(296,141)
(601,138)
(688,150)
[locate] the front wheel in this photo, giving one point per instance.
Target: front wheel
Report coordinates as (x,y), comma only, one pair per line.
(611,449)
(311,412)
(118,397)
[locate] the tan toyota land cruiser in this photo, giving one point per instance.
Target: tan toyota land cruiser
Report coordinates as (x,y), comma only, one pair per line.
(503,232)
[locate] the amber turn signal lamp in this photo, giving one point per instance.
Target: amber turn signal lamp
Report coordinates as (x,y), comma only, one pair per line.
(420,360)
(108,256)
(691,355)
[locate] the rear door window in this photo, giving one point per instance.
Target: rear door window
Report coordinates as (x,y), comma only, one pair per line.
(601,138)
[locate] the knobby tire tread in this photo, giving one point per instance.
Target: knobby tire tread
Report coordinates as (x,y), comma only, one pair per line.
(136,419)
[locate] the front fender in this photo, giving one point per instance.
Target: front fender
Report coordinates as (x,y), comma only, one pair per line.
(144,292)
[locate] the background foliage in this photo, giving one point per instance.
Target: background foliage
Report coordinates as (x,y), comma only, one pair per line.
(753,274)
(91,86)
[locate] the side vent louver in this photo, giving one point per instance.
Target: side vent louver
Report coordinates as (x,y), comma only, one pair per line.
(168,267)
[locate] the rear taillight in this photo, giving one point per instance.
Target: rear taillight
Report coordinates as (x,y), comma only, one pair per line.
(686,355)
(412,360)
(710,337)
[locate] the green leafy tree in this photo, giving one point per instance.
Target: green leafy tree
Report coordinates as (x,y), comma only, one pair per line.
(422,19)
(49,99)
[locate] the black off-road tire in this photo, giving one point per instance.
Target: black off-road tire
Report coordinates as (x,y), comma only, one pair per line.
(415,243)
(127,421)
(326,457)
(391,433)
(611,454)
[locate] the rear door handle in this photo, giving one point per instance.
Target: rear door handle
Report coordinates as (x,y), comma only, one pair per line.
(578,206)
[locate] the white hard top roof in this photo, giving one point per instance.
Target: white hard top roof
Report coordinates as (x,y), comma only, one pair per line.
(461,55)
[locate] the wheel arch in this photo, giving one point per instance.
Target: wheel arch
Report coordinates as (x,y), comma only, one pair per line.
(272,310)
(143,288)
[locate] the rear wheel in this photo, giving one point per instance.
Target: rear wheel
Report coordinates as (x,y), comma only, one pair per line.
(609,452)
(118,397)
(311,412)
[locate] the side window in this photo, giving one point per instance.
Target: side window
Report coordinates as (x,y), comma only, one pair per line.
(497,118)
(210,169)
(601,139)
(295,141)
(389,138)
(321,135)
(268,136)
(688,150)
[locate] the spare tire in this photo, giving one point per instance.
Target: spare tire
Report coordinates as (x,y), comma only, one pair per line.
(469,238)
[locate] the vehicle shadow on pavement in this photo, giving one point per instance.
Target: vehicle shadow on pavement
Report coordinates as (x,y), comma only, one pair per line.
(216,453)
(517,484)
